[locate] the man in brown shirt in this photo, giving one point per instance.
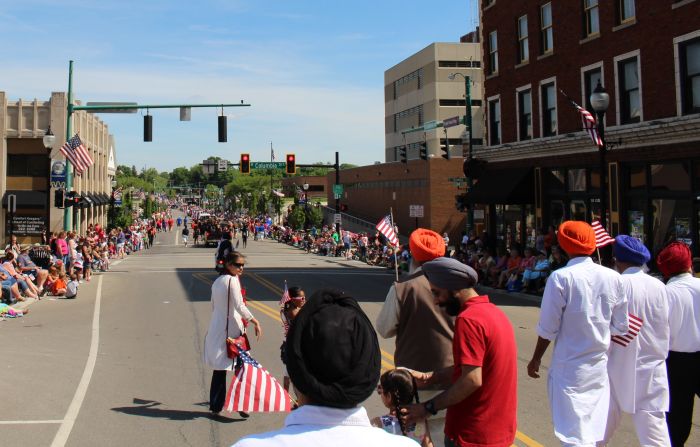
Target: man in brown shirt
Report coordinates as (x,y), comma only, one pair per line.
(423,331)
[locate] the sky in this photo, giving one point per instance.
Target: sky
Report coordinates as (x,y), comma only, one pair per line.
(312,71)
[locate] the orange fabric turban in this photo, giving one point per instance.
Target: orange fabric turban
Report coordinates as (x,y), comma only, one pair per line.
(426,245)
(674,259)
(576,238)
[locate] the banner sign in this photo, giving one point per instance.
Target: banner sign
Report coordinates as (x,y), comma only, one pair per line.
(26,225)
(58,174)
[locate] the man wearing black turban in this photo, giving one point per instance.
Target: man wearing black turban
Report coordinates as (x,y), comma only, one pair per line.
(333,360)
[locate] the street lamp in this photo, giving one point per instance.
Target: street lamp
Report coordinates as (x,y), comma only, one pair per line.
(600,101)
(468,154)
(48,140)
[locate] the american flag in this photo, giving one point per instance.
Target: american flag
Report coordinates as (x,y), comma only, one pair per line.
(602,238)
(635,325)
(254,389)
(588,121)
(272,153)
(387,229)
(283,300)
(75,152)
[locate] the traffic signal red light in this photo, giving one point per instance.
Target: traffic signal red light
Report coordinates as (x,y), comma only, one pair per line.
(291,164)
(244,166)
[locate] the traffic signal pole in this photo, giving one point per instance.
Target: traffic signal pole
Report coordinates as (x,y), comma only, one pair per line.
(67,216)
(468,124)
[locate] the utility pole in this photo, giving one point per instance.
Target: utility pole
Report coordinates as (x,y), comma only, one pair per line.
(337,197)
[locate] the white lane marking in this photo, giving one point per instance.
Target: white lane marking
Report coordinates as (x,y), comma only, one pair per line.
(74,407)
(177,238)
(30,422)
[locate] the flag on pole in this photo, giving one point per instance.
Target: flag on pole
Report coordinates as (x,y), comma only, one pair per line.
(285,298)
(272,153)
(75,152)
(254,389)
(587,121)
(387,229)
(602,238)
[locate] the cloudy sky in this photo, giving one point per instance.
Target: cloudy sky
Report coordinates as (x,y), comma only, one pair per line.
(311,70)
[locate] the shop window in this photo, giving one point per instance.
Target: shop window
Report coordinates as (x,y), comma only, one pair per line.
(671,222)
(579,210)
(638,177)
(670,177)
(635,219)
(556,213)
(556,180)
(577,179)
(595,178)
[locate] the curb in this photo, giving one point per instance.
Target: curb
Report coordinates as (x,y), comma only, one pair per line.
(536,299)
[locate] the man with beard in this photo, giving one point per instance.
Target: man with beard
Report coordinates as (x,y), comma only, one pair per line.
(481,399)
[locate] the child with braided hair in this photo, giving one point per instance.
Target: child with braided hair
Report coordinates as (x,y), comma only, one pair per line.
(397,387)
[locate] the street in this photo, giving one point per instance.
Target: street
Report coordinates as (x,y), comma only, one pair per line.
(121,364)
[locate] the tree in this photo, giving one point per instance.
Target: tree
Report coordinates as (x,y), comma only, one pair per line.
(180,176)
(296,218)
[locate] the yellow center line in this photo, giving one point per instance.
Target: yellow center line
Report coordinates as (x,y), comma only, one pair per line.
(387,364)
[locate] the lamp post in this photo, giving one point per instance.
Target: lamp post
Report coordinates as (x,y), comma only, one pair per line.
(468,154)
(48,140)
(600,101)
(306,204)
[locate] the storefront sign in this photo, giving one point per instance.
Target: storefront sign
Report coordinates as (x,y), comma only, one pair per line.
(415,210)
(58,174)
(26,225)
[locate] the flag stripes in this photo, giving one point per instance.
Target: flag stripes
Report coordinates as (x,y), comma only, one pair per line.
(254,389)
(602,238)
(77,154)
(588,121)
(635,326)
(387,229)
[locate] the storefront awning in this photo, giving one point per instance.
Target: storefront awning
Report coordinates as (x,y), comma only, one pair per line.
(104,197)
(95,199)
(504,186)
(27,199)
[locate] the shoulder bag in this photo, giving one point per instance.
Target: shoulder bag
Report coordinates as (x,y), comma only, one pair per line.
(234,345)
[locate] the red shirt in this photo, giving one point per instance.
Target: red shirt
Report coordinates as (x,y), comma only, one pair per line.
(484,337)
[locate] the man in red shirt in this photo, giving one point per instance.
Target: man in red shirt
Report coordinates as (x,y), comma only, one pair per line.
(481,400)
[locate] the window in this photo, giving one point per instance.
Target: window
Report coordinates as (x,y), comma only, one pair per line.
(523,52)
(495,122)
(590,81)
(625,11)
(590,14)
(549,110)
(457,64)
(458,103)
(493,53)
(27,165)
(630,101)
(525,114)
(690,76)
(546,31)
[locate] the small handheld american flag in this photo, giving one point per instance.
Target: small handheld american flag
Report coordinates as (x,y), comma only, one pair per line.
(387,229)
(254,390)
(283,301)
(602,238)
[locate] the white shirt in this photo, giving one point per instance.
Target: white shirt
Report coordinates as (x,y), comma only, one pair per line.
(312,426)
(583,304)
(684,310)
(637,360)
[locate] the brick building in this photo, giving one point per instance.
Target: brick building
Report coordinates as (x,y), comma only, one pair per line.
(542,168)
(369,192)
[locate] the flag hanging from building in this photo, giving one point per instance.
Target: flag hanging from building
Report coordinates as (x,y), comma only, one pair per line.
(602,238)
(254,390)
(387,229)
(635,325)
(75,152)
(587,121)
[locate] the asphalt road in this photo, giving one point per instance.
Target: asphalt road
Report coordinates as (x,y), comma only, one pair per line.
(121,365)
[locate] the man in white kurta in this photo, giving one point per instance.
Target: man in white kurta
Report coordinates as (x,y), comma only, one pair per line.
(637,360)
(582,306)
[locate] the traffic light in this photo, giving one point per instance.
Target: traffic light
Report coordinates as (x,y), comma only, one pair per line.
(291,164)
(71,198)
(244,166)
(403,154)
(59,197)
(445,150)
(223,133)
(423,151)
(148,127)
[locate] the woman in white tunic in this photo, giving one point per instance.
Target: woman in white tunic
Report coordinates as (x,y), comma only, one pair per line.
(226,305)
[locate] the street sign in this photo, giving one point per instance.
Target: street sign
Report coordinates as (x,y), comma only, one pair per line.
(430,125)
(338,190)
(337,218)
(115,110)
(415,210)
(223,165)
(268,165)
(450,122)
(458,180)
(12,203)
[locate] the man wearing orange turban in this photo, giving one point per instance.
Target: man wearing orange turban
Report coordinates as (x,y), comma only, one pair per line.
(683,362)
(582,306)
(423,330)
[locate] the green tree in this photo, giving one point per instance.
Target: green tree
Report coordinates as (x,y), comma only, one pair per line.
(297,218)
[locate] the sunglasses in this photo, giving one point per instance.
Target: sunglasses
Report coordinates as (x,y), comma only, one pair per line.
(240,266)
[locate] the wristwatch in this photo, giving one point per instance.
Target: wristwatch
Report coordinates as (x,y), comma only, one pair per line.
(430,407)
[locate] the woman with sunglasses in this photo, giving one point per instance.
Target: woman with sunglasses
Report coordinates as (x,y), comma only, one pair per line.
(227,314)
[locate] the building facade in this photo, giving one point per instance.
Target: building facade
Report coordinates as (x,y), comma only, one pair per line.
(542,168)
(418,90)
(32,174)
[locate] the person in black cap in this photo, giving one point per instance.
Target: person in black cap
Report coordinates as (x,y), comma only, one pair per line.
(637,361)
(333,360)
(481,400)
